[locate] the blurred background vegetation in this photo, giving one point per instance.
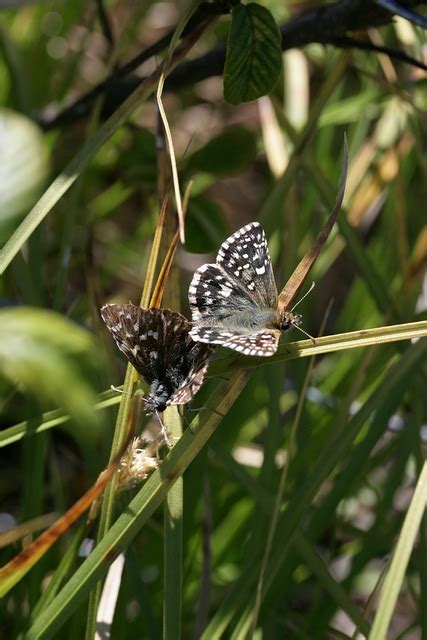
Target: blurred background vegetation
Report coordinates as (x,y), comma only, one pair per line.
(358,448)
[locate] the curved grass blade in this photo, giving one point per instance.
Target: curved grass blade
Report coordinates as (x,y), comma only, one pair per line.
(396,573)
(80,161)
(139,510)
(175,39)
(293,286)
(14,570)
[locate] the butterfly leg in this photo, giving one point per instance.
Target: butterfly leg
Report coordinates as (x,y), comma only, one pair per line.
(218,413)
(165,436)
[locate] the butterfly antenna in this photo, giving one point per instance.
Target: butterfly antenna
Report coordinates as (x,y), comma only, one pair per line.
(313,284)
(304,332)
(117,390)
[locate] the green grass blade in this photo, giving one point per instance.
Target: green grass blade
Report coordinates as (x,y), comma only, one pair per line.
(227,364)
(81,160)
(138,511)
(240,596)
(51,419)
(325,344)
(396,573)
(173,526)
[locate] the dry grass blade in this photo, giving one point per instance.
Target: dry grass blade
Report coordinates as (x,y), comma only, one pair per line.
(10,536)
(14,570)
(293,286)
(146,296)
(157,295)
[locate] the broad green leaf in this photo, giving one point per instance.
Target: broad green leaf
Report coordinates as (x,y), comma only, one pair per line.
(254,57)
(230,152)
(205,225)
(23,165)
(139,160)
(43,353)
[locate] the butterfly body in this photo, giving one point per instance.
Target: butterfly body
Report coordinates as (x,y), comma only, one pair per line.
(158,345)
(234,302)
(246,319)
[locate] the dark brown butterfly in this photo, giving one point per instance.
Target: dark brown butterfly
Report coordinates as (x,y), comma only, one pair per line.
(158,344)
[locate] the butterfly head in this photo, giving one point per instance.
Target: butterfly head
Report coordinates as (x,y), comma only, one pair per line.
(289,319)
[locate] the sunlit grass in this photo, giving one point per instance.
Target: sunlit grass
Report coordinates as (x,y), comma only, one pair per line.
(349,546)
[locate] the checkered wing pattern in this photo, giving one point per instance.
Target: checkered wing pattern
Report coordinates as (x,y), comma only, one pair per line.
(242,278)
(194,380)
(158,345)
(259,343)
(245,257)
(234,301)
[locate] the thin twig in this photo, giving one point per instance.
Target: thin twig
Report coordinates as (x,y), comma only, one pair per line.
(396,7)
(346,42)
(104,20)
(324,25)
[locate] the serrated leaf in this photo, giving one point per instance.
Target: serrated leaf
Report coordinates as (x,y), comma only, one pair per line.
(254,57)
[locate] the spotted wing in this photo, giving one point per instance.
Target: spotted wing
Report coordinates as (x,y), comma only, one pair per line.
(241,283)
(158,345)
(215,296)
(245,257)
(143,335)
(198,361)
(256,343)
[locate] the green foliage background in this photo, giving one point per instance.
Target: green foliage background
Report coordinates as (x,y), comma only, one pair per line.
(349,426)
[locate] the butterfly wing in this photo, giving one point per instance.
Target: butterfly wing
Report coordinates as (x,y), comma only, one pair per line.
(234,301)
(241,280)
(214,296)
(136,333)
(256,343)
(198,355)
(187,360)
(157,344)
(245,257)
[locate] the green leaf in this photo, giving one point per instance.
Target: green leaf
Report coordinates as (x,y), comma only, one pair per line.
(24,165)
(45,354)
(140,159)
(254,57)
(205,225)
(231,151)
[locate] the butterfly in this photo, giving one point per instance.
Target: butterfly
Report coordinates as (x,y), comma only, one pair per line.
(158,344)
(234,302)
